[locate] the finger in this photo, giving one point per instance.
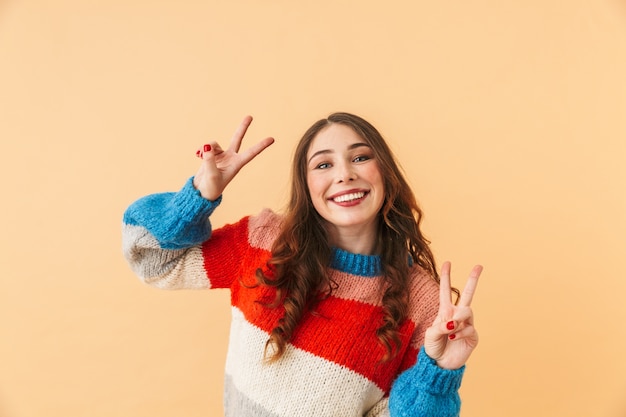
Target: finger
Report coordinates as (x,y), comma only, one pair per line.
(434,343)
(463,316)
(447,326)
(255,149)
(207,179)
(235,141)
(465,333)
(216,149)
(437,332)
(470,286)
(207,149)
(444,285)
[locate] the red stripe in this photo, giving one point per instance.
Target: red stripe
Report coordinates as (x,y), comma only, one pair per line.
(341,331)
(224,251)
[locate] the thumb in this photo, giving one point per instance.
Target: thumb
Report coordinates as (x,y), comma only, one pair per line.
(208,177)
(435,341)
(208,158)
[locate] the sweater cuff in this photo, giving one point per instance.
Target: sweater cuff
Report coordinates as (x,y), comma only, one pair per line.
(190,204)
(429,377)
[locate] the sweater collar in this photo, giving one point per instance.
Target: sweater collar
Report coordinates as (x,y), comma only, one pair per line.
(355,264)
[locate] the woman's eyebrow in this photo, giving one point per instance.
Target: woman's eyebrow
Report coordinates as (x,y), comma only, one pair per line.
(327,151)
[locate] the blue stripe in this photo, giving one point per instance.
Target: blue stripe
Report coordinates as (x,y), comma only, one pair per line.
(176,220)
(355,264)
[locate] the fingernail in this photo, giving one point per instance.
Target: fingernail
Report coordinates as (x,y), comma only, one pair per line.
(207,148)
(450,325)
(198,152)
(452,336)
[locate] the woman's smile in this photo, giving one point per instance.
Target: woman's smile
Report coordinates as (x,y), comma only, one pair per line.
(349,198)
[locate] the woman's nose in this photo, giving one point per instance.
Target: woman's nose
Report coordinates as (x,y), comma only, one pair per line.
(346,173)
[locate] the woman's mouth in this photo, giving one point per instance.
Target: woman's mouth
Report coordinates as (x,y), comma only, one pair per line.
(349,197)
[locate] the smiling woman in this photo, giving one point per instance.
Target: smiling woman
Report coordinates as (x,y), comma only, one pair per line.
(337,306)
(346,187)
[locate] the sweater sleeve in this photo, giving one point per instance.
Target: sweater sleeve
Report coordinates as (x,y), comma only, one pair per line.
(162,238)
(426,390)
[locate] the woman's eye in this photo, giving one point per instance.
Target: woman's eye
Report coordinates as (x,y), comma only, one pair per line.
(361,158)
(323,165)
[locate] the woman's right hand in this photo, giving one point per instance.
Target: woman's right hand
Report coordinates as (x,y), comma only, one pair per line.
(220,166)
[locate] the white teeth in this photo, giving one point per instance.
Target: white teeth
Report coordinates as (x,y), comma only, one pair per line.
(348,197)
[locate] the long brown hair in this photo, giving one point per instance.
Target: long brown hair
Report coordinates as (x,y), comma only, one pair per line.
(301,253)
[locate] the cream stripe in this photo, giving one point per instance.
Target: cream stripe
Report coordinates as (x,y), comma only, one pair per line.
(163,268)
(300,384)
(237,404)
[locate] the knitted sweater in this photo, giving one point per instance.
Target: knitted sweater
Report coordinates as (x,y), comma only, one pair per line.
(332,365)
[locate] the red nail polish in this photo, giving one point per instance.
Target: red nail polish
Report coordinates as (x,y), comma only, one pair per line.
(450,325)
(452,336)
(198,152)
(207,148)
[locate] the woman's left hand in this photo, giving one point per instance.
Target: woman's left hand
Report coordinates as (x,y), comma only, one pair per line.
(451,339)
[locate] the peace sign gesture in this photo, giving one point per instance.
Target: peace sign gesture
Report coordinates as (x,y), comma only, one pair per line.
(220,166)
(452,337)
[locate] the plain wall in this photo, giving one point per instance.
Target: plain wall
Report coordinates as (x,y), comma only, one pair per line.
(509,119)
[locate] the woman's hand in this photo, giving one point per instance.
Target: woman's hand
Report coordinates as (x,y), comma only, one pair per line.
(452,337)
(220,166)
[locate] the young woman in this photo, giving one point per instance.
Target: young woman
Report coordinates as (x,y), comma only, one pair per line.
(337,308)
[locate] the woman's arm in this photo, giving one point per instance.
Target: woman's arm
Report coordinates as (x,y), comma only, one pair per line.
(430,387)
(162,236)
(163,233)
(426,390)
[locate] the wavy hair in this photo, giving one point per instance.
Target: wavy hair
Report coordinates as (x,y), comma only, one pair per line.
(301,253)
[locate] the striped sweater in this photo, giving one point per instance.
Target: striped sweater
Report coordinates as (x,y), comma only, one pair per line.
(332,365)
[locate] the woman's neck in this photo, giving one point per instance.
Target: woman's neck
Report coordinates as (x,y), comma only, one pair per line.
(361,240)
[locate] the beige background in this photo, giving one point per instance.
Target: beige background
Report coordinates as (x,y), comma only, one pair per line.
(509,118)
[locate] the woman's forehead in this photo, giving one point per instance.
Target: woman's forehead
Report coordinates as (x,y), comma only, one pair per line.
(335,137)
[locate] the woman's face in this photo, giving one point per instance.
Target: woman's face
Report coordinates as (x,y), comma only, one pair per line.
(344,180)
